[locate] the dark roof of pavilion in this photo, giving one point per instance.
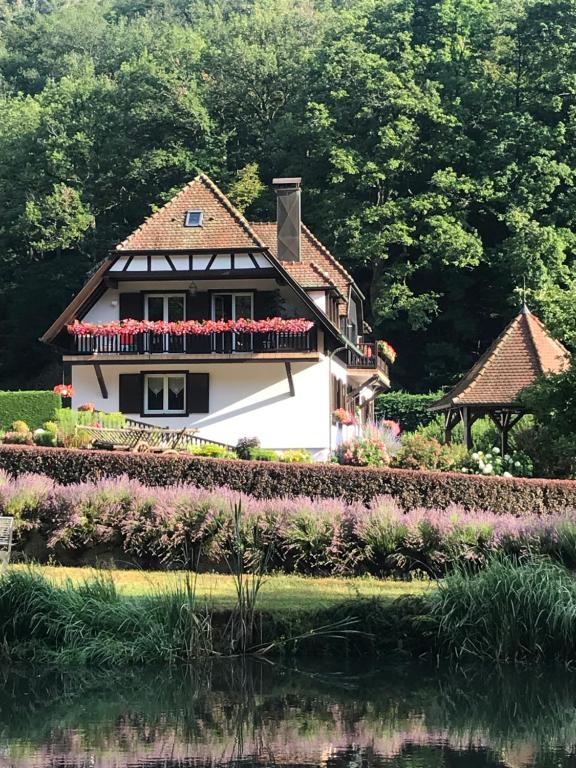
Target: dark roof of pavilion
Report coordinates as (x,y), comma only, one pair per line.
(523,352)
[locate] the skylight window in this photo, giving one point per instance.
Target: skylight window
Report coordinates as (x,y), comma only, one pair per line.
(193,219)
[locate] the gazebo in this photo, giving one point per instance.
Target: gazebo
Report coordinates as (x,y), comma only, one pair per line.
(523,352)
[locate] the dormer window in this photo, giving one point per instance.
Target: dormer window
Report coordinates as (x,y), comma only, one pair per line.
(193,219)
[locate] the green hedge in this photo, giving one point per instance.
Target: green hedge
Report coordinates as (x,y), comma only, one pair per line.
(410,411)
(32,406)
(272,479)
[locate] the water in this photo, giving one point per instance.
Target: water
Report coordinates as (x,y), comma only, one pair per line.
(256,714)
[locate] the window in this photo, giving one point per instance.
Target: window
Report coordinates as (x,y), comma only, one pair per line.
(168,307)
(193,219)
(232,306)
(165,393)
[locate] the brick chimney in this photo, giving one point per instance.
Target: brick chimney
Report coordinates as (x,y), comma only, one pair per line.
(288,218)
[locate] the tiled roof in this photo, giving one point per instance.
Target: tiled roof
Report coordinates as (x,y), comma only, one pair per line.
(311,251)
(519,355)
(222,225)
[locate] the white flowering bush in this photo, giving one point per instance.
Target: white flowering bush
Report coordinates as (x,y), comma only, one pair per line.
(491,462)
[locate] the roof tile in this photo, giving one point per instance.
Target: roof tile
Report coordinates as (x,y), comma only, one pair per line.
(519,355)
(222,225)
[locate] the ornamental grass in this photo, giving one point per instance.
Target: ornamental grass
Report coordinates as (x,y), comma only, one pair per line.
(185,526)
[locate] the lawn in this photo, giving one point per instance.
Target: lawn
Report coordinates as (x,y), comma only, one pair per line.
(279,592)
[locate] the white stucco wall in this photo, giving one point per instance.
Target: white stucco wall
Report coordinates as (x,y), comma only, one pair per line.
(246,399)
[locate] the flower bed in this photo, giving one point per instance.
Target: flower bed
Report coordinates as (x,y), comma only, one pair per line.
(184,525)
(270,479)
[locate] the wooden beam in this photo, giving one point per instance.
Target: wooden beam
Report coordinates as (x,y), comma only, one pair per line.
(101,382)
(290,379)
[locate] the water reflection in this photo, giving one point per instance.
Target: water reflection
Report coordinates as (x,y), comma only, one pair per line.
(250,714)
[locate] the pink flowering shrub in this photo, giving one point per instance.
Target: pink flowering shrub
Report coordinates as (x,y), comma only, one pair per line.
(182,525)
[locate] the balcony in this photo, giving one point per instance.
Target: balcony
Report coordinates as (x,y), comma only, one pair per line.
(371,361)
(229,343)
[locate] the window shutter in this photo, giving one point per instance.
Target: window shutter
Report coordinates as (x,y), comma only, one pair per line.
(197,393)
(131,387)
(198,306)
(267,304)
(131,306)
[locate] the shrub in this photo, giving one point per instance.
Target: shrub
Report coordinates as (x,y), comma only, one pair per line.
(421,452)
(363,452)
(18,438)
(410,411)
(296,455)
(44,437)
(491,462)
(20,426)
(245,445)
(263,454)
(271,479)
(211,450)
(33,407)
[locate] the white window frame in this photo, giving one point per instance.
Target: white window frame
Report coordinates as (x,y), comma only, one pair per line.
(194,213)
(165,410)
(165,297)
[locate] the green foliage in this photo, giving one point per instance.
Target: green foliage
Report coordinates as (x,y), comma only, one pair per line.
(264,454)
(421,452)
(44,437)
(551,439)
(245,445)
(508,612)
(211,450)
(246,188)
(32,407)
(17,438)
(517,496)
(295,455)
(438,157)
(410,411)
(365,451)
(491,462)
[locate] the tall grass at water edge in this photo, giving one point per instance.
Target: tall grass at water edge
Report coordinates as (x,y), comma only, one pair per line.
(510,611)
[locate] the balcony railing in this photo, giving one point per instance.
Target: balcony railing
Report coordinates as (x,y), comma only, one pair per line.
(228,342)
(370,359)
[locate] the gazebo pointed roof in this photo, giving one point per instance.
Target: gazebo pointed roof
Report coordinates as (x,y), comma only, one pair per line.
(522,353)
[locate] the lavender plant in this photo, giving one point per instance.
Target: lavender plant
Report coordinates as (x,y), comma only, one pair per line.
(171,526)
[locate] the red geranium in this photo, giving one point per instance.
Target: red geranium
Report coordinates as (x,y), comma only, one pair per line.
(64,390)
(128,328)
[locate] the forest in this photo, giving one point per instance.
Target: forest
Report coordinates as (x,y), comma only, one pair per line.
(435,138)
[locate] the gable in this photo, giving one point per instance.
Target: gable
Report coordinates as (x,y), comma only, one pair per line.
(222,225)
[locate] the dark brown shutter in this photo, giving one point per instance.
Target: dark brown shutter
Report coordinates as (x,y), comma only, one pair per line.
(198,308)
(131,386)
(267,304)
(131,306)
(197,393)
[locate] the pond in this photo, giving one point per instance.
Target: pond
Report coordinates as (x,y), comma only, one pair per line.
(261,714)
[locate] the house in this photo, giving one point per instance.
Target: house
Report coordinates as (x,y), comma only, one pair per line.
(202,319)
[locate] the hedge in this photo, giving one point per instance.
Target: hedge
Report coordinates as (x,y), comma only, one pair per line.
(32,406)
(410,411)
(410,488)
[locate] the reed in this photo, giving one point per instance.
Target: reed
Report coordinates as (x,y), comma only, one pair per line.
(512,611)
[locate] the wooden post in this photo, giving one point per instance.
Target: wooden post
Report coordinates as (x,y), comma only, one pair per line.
(447,427)
(467,421)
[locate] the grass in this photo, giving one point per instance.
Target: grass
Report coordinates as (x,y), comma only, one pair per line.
(508,612)
(280,592)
